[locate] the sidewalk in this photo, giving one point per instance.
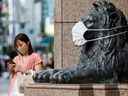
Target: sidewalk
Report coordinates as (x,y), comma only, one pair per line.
(3,86)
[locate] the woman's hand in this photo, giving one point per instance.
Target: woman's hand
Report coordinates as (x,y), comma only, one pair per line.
(39,66)
(11,67)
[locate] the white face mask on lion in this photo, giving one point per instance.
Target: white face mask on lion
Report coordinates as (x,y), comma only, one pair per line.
(79,29)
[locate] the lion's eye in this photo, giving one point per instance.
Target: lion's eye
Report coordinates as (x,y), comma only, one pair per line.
(90,18)
(89,24)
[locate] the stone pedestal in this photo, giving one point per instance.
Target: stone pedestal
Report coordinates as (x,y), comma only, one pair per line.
(76,90)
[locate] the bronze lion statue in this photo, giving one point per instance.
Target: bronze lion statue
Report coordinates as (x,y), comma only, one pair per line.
(104,53)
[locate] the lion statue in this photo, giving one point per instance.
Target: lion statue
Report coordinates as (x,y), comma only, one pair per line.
(103,37)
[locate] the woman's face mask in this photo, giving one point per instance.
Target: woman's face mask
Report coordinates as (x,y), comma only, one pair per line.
(22,47)
(22,50)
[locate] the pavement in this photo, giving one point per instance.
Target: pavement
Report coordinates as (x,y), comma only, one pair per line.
(4,82)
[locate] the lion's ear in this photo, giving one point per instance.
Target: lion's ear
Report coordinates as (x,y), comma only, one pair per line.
(97,4)
(111,7)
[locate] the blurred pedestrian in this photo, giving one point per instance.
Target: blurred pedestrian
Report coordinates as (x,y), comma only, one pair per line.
(26,60)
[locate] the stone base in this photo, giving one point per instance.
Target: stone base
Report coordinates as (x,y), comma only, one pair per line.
(43,89)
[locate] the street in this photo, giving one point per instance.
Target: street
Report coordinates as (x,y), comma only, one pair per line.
(3,86)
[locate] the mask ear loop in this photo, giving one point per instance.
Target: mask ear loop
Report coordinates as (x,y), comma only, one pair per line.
(111,29)
(107,36)
(114,28)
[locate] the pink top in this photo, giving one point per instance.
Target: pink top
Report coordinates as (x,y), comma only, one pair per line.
(23,64)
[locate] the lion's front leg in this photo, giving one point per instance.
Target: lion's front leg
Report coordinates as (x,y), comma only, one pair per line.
(72,75)
(44,75)
(55,76)
(62,76)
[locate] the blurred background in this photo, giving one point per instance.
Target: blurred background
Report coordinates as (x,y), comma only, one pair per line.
(33,17)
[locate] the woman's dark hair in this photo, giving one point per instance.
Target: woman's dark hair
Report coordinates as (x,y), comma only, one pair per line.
(23,37)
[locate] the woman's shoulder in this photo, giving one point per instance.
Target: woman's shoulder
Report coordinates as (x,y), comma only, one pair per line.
(15,58)
(34,54)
